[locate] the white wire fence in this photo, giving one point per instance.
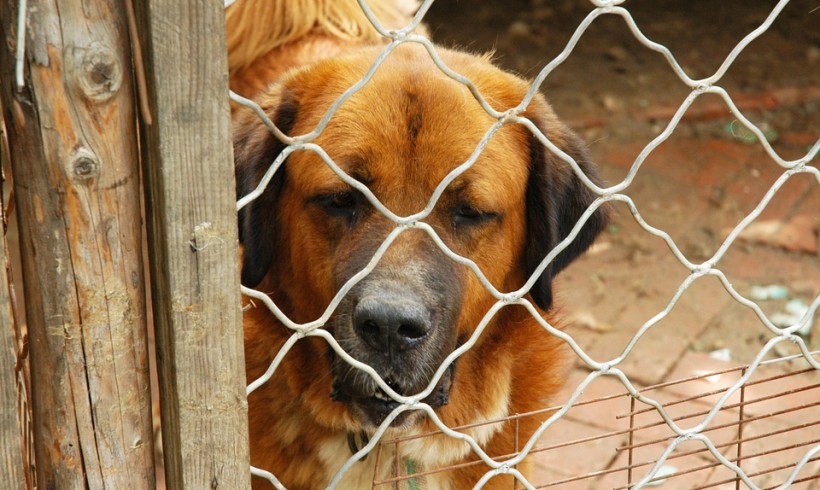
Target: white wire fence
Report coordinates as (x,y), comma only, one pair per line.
(614,193)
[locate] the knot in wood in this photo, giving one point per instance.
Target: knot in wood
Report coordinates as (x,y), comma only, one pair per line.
(100,75)
(84,165)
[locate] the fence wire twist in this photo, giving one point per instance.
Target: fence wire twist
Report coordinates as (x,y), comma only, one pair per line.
(606,194)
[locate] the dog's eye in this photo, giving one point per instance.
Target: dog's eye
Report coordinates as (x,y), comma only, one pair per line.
(342,203)
(466,215)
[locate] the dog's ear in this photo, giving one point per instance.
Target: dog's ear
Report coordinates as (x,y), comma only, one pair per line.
(254,149)
(556,199)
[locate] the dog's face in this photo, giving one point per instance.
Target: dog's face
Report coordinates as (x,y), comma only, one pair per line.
(401,135)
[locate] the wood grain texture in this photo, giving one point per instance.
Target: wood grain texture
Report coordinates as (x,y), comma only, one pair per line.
(75,165)
(11,442)
(194,245)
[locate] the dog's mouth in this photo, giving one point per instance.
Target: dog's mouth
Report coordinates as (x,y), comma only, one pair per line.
(378,407)
(371,411)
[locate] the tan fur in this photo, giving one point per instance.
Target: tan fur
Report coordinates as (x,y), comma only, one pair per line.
(296,431)
(267,37)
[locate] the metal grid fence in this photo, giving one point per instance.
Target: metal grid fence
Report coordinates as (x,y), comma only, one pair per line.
(741,430)
(506,464)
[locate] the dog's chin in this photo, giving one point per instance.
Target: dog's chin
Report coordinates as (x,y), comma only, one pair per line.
(372,411)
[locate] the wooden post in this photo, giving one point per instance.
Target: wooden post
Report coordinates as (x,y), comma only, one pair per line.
(191,202)
(76,176)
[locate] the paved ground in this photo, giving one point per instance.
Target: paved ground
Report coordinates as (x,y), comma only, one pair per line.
(630,276)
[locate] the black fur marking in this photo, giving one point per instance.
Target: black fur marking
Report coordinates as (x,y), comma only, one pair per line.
(556,199)
(254,152)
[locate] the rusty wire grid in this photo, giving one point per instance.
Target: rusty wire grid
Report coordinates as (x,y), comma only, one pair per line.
(640,471)
(752,420)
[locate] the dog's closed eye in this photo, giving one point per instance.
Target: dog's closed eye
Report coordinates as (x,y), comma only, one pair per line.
(343,204)
(466,214)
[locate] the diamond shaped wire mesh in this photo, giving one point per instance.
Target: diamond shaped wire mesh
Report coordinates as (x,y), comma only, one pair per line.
(506,464)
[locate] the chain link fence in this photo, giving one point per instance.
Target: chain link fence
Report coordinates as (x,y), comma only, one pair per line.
(641,473)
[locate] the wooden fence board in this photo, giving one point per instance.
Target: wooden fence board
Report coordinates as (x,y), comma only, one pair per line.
(193,245)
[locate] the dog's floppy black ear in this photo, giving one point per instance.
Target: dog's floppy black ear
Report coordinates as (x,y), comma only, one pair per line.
(255,148)
(556,199)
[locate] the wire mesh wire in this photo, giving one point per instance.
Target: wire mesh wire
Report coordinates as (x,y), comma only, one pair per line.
(641,471)
(772,414)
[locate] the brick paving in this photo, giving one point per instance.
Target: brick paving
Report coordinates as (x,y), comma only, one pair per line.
(631,276)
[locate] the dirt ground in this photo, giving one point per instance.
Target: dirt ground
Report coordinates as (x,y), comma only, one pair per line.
(696,186)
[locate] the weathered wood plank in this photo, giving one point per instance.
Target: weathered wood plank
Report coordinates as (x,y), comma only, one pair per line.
(193,245)
(11,446)
(76,174)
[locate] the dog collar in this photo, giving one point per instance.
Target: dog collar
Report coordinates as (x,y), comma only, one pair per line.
(353,444)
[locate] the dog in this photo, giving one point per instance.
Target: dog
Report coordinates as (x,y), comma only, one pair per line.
(310,232)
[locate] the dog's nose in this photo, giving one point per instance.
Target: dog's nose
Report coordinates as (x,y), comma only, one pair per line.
(391,323)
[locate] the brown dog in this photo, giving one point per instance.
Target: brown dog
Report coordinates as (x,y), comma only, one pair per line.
(310,232)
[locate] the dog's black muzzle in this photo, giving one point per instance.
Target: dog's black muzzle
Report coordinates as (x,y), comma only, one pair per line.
(403,325)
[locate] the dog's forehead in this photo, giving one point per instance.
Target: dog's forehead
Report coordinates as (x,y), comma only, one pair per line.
(411,125)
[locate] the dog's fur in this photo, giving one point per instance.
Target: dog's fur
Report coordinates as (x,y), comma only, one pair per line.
(268,37)
(310,232)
